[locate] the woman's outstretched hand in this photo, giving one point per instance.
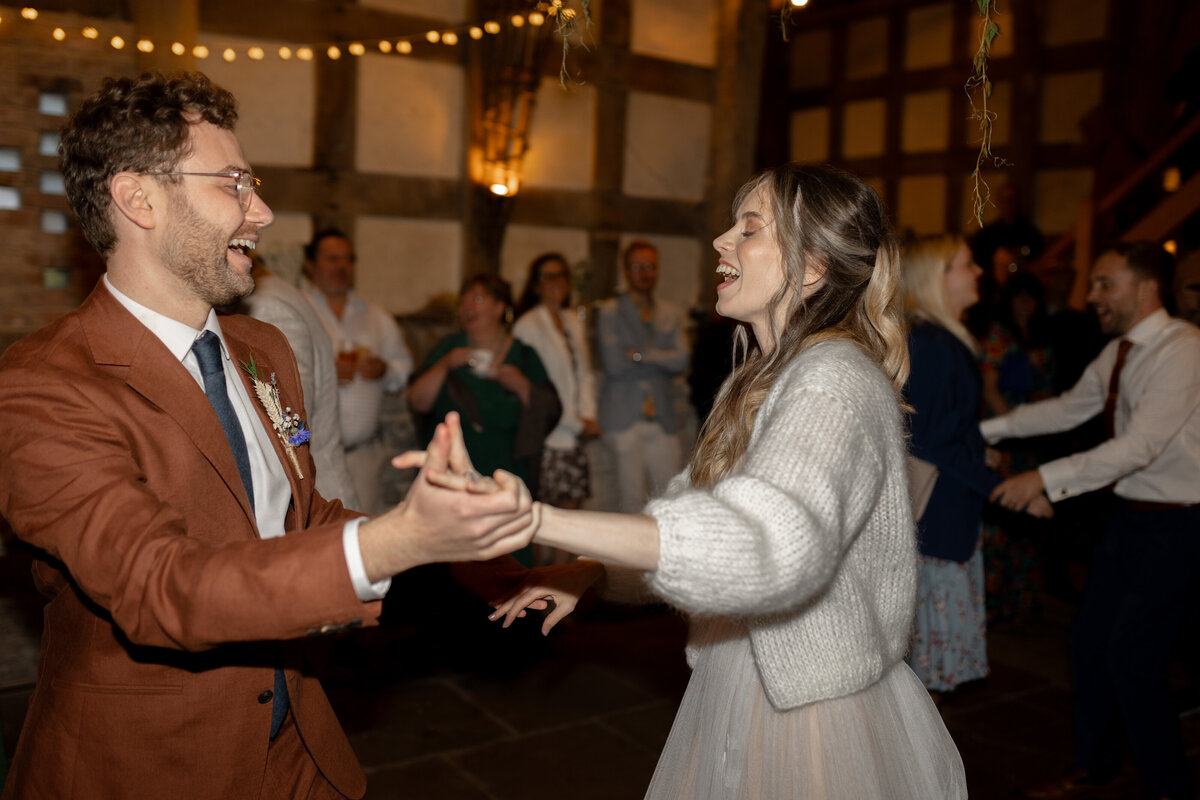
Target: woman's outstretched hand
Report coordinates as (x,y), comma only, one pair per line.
(461,473)
(563,584)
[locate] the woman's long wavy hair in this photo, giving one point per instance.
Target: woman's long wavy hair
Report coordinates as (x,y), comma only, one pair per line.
(924,265)
(829,223)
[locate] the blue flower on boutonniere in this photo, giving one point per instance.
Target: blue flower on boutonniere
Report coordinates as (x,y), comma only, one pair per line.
(290,429)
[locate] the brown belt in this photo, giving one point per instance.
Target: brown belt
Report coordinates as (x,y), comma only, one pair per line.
(1149,505)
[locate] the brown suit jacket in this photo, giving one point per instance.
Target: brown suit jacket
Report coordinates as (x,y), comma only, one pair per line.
(166,608)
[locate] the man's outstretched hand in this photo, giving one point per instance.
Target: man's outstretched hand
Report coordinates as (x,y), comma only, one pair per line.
(438,521)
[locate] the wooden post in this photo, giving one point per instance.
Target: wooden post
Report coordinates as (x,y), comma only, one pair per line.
(1083,254)
(741,45)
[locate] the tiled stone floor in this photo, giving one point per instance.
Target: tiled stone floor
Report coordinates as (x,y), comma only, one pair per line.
(448,706)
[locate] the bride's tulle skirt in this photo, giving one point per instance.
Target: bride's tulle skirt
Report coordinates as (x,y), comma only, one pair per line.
(886,742)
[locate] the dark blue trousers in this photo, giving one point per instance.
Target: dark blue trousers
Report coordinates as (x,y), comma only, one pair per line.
(1143,582)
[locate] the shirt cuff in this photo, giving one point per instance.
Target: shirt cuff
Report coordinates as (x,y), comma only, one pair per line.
(993,429)
(365,590)
(1056,476)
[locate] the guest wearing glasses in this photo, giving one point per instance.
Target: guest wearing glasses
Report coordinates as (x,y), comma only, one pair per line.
(642,349)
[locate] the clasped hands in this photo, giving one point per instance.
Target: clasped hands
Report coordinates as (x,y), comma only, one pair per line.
(1024,492)
(448,480)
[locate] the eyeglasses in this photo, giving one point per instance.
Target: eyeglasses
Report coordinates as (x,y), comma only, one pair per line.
(643,266)
(245,184)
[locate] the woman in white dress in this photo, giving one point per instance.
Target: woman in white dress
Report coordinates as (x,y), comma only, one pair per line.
(790,537)
(546,323)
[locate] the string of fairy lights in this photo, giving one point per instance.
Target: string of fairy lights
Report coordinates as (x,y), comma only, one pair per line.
(552,12)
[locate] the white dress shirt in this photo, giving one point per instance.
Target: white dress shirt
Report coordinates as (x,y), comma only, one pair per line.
(1155,455)
(364,324)
(272,492)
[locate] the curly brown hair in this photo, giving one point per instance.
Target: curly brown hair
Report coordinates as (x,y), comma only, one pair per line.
(133,125)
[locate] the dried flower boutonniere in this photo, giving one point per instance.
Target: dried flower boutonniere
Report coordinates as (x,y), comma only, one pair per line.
(290,429)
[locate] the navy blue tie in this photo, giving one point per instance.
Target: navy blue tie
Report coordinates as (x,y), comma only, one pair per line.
(212,368)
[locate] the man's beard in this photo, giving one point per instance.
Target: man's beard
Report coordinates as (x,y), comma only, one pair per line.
(197,253)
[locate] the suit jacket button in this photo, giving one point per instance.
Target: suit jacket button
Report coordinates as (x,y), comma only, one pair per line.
(266,697)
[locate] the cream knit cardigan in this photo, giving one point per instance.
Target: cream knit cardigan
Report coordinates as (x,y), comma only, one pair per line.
(810,541)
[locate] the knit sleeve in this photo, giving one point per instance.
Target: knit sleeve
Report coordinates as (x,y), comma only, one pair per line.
(771,535)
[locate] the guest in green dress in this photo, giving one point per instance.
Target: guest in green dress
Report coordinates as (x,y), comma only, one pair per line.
(491,379)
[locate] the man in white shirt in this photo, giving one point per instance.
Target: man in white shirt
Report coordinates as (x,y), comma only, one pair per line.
(278,302)
(371,357)
(153,454)
(1146,567)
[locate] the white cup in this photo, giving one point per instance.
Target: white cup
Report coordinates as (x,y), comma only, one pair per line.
(480,361)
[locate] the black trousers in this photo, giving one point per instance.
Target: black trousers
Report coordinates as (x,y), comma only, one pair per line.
(1143,583)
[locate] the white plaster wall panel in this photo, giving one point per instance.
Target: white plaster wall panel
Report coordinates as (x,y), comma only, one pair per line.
(404,263)
(410,117)
(282,244)
(562,149)
(679,259)
(809,54)
(1066,98)
(1067,21)
(276,99)
(676,30)
(925,122)
(862,129)
(524,243)
(666,147)
(450,10)
(810,135)
(1057,195)
(922,204)
(866,48)
(929,36)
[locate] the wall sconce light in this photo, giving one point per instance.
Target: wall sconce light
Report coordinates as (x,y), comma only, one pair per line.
(501,178)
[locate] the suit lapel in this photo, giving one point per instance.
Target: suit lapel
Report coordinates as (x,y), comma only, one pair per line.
(241,352)
(118,339)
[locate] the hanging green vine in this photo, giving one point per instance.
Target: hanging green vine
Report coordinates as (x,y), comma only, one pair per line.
(979,91)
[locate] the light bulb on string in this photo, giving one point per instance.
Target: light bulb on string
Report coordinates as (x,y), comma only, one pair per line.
(385,46)
(433,37)
(304,54)
(59,34)
(256,53)
(285,53)
(404,47)
(491,26)
(356,48)
(145,46)
(200,51)
(178,49)
(90,33)
(333,52)
(117,42)
(475,32)
(229,54)
(450,38)
(29,13)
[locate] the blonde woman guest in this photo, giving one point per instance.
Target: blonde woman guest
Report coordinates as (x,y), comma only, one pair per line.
(790,536)
(546,324)
(940,282)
